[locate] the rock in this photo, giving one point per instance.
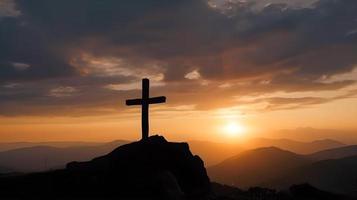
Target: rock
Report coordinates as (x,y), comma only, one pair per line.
(152,168)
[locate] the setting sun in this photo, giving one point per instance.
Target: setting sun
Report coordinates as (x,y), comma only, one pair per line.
(234,129)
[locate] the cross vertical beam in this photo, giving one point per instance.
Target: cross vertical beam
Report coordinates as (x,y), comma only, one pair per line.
(145,108)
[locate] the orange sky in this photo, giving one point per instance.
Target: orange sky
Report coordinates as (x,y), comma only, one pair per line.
(184,125)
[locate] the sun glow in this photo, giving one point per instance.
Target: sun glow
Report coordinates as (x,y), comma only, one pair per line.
(234,129)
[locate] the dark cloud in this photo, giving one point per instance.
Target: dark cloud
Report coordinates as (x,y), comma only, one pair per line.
(20,43)
(287,103)
(87,45)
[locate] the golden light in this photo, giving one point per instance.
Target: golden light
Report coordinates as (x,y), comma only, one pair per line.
(234,129)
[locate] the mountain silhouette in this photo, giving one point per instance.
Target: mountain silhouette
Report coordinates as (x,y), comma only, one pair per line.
(275,168)
(35,157)
(335,175)
(254,167)
(55,155)
(42,158)
(6,146)
(335,153)
(152,168)
(294,146)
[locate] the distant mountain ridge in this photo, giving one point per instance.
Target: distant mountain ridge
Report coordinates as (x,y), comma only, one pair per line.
(43,156)
(6,146)
(294,146)
(335,175)
(332,170)
(335,153)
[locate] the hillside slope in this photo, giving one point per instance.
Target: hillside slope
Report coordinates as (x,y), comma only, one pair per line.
(335,175)
(254,167)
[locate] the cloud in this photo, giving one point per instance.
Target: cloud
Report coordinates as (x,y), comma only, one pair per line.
(62,91)
(286,101)
(8,9)
(103,49)
(20,66)
(193,75)
(133,86)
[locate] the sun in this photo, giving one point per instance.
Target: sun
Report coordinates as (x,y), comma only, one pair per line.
(233,129)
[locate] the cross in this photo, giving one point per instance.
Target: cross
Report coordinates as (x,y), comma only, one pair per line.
(145,101)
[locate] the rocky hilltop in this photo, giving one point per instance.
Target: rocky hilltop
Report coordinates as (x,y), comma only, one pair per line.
(153,168)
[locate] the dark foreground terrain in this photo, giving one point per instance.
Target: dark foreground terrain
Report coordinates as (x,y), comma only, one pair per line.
(295,192)
(153,168)
(150,169)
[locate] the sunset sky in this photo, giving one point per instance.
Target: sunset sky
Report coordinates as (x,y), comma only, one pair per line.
(230,69)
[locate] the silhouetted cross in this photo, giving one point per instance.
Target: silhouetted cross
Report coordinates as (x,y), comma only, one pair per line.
(144,102)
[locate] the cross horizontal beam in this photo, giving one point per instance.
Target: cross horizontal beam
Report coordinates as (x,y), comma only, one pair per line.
(160,99)
(131,102)
(153,100)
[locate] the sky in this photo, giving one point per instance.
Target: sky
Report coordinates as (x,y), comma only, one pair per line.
(230,69)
